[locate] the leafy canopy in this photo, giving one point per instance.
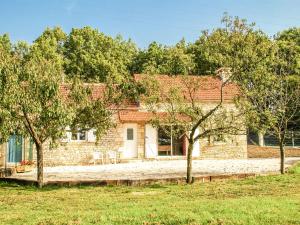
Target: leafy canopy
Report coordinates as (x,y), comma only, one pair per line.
(159,59)
(94,56)
(36,102)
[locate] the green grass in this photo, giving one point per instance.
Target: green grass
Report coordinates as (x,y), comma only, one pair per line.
(295,169)
(261,200)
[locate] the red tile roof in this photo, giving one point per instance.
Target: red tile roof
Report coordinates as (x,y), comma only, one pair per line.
(208,88)
(97,92)
(208,91)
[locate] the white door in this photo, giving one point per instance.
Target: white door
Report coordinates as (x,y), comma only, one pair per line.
(130,141)
(150,141)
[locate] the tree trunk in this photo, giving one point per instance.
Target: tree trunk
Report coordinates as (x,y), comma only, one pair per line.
(189,178)
(40,165)
(282,157)
(261,141)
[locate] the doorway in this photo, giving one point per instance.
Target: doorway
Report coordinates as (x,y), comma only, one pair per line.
(171,141)
(130,141)
(15,149)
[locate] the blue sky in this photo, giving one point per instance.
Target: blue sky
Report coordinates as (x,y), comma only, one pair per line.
(165,21)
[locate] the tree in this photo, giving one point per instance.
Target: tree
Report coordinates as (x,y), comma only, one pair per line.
(237,45)
(35,102)
(188,116)
(271,100)
(274,108)
(93,56)
(260,66)
(5,44)
(55,36)
(159,59)
(5,55)
(289,47)
(150,60)
(179,61)
(288,42)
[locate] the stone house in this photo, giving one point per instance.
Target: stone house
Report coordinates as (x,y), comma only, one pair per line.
(134,138)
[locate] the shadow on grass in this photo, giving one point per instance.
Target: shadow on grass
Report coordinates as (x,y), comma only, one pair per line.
(53,187)
(157,186)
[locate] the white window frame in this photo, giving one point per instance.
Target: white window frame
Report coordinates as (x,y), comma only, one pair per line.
(78,136)
(132,137)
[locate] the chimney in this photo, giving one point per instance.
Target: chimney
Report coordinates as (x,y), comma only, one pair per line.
(224,73)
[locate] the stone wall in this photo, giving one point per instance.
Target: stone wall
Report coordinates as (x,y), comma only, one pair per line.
(141,141)
(81,152)
(234,147)
(255,151)
(2,154)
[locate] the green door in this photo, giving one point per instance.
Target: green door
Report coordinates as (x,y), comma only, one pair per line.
(15,145)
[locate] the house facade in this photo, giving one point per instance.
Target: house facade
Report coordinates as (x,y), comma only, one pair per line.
(134,137)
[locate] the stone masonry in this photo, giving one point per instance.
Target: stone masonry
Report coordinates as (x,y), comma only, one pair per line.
(81,152)
(235,147)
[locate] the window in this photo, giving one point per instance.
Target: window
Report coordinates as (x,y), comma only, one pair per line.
(164,136)
(171,141)
(219,138)
(129,133)
(74,136)
(82,135)
(79,135)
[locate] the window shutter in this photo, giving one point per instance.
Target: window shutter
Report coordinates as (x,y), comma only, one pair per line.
(67,136)
(196,147)
(151,148)
(91,137)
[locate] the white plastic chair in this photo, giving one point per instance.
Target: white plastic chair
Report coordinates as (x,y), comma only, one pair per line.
(98,156)
(120,151)
(112,156)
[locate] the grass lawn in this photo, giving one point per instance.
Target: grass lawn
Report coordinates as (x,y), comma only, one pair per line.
(261,200)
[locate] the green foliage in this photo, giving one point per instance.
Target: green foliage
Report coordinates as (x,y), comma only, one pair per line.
(295,169)
(32,96)
(266,70)
(93,56)
(159,59)
(55,37)
(237,45)
(290,35)
(5,44)
(259,65)
(184,111)
(30,90)
(289,49)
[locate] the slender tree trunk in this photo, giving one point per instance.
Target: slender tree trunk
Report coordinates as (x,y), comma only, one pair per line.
(40,165)
(261,141)
(282,157)
(189,178)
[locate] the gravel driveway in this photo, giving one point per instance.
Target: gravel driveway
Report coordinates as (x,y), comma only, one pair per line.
(158,169)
